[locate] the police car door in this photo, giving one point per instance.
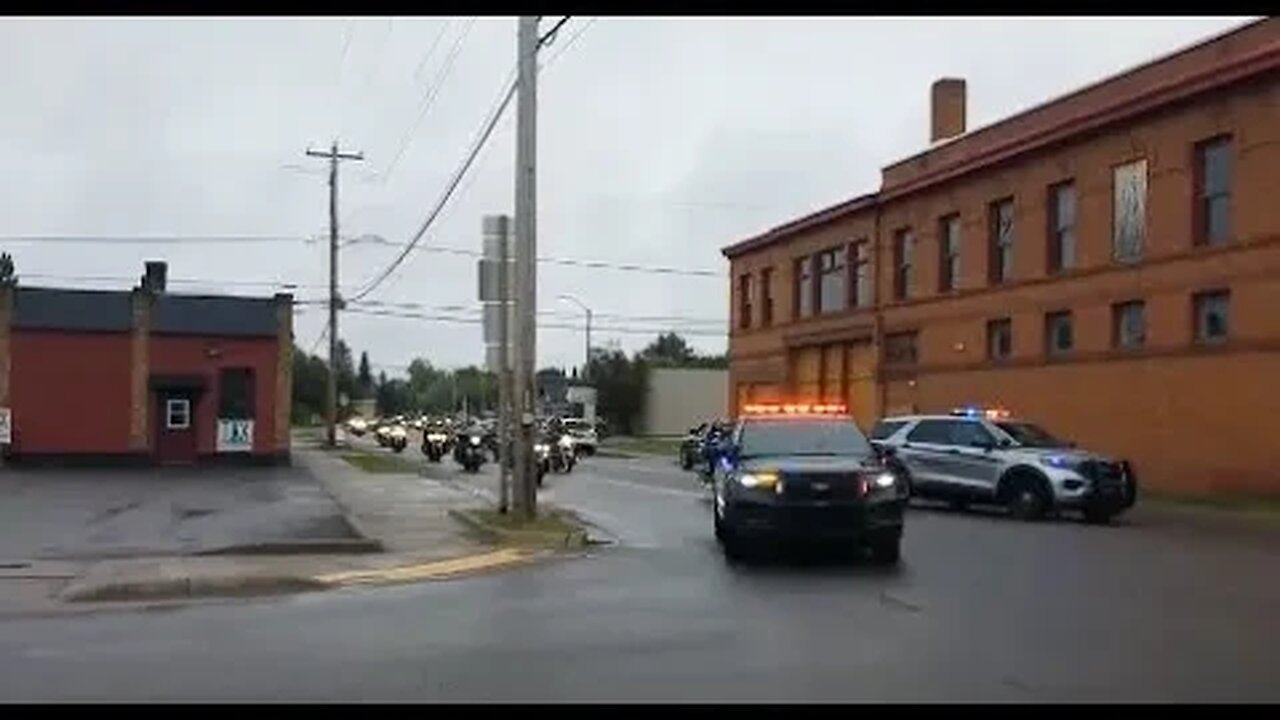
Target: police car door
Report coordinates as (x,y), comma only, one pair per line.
(925,452)
(973,463)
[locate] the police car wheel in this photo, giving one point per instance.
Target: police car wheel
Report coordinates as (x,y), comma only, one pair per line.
(1026,502)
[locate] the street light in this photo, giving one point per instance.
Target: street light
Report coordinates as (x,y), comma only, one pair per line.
(586,361)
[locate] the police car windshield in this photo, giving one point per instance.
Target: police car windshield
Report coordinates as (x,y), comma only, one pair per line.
(1029,435)
(803,437)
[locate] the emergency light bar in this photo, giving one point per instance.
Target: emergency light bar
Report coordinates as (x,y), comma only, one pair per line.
(988,413)
(796,409)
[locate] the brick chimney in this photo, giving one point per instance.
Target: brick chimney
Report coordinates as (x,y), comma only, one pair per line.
(155,276)
(947,109)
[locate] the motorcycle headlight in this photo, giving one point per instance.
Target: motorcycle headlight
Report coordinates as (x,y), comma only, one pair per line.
(475,440)
(566,441)
(542,449)
(884,480)
(435,437)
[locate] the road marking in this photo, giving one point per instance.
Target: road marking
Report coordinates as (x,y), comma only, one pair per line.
(650,488)
(430,571)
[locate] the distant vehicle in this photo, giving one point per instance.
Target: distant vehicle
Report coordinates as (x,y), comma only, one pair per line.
(805,472)
(393,436)
(691,447)
(435,441)
(469,450)
(357,426)
(977,455)
(585,437)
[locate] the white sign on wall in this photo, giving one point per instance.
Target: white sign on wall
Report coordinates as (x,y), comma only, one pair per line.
(6,426)
(235,436)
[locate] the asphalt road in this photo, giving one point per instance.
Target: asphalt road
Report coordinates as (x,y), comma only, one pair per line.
(981,609)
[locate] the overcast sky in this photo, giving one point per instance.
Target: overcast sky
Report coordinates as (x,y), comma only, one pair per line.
(660,141)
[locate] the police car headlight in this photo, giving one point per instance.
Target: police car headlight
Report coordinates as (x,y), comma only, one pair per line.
(884,480)
(758,480)
(1061,462)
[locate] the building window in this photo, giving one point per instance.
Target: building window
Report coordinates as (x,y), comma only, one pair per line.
(831,276)
(1058,335)
(861,291)
(766,297)
(744,300)
(235,394)
(1129,211)
(1001,267)
(1062,227)
(949,252)
(900,348)
(1213,191)
(1129,324)
(1211,310)
(999,339)
(177,414)
(903,248)
(804,287)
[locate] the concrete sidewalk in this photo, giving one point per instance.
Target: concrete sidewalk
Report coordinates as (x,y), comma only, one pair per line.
(408,514)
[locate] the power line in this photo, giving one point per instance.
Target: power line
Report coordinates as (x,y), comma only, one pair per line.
(572,39)
(429,99)
(550,311)
(453,185)
(550,36)
(442,249)
(547,326)
(417,73)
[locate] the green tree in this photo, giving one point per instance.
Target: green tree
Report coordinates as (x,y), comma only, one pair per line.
(668,350)
(7,276)
(621,385)
(310,378)
(364,378)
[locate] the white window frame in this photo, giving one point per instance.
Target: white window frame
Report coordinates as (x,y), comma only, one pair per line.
(169,406)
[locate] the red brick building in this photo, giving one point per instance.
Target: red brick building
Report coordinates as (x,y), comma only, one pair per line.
(145,375)
(1107,263)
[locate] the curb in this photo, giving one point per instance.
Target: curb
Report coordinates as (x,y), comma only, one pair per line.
(356,546)
(188,587)
(572,540)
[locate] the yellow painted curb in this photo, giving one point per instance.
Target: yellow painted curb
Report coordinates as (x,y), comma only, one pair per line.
(429,571)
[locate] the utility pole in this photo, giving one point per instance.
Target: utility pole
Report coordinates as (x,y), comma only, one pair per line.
(526,271)
(331,393)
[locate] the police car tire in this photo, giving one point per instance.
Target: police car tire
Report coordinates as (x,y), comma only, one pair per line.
(886,552)
(1019,508)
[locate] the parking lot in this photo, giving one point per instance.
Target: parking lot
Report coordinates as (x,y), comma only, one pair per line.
(51,514)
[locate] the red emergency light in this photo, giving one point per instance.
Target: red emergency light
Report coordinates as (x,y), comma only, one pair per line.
(795,409)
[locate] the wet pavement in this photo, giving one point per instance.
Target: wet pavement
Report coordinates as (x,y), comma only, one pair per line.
(982,608)
(81,514)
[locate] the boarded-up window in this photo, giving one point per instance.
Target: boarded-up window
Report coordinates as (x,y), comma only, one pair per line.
(235,394)
(1129,211)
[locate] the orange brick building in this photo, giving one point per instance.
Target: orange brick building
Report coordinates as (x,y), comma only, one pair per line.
(1107,264)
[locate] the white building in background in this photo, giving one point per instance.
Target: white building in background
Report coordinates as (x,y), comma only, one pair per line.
(681,398)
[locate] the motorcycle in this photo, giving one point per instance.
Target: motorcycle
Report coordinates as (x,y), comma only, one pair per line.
(435,443)
(397,438)
(561,454)
(470,452)
(542,451)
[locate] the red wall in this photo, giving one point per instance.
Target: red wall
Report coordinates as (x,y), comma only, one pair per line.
(178,355)
(70,392)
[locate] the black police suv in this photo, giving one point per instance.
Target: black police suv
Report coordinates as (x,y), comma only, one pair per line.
(786,476)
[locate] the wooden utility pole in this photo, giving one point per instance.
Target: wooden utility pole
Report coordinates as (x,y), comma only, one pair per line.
(526,244)
(331,394)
